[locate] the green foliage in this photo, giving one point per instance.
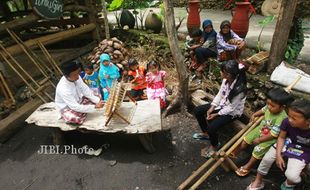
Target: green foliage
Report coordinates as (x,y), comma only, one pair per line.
(263,23)
(295,42)
(115,5)
(267,20)
(161,14)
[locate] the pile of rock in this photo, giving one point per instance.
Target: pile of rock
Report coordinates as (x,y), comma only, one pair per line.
(115,48)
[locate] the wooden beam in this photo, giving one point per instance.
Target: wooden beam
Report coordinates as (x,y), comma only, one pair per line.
(16,120)
(281,33)
(49,39)
(19,22)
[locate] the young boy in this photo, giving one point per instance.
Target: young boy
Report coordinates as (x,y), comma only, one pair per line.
(293,143)
(136,75)
(91,78)
(264,135)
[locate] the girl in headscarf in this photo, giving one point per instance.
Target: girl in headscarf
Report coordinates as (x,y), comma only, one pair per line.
(108,72)
(207,48)
(229,44)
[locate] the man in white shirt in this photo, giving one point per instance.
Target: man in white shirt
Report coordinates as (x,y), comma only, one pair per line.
(73,97)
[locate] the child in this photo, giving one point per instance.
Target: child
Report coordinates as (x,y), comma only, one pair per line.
(108,72)
(293,143)
(208,48)
(193,42)
(91,78)
(264,135)
(227,105)
(155,83)
(136,75)
(229,44)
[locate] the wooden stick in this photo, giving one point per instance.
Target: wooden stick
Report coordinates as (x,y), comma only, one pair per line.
(208,162)
(8,90)
(28,51)
(18,73)
(24,71)
(288,89)
(222,159)
(22,46)
(122,117)
(5,93)
(51,60)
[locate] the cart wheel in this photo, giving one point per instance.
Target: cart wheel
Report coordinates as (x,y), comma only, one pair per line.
(147,142)
(58,138)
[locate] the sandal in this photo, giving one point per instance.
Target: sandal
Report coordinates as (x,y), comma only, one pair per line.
(242,172)
(261,186)
(207,152)
(200,136)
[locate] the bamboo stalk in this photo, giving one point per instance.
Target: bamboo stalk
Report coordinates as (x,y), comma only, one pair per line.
(8,90)
(28,51)
(25,81)
(24,71)
(50,59)
(222,159)
(208,162)
(288,89)
(5,93)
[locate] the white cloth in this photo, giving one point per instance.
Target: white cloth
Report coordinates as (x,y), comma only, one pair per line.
(69,94)
(234,107)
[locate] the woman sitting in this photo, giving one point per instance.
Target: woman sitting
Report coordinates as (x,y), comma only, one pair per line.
(229,44)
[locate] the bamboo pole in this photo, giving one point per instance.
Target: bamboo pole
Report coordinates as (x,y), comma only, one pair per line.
(222,159)
(28,51)
(22,46)
(22,69)
(25,81)
(5,93)
(49,39)
(8,90)
(208,162)
(50,59)
(288,89)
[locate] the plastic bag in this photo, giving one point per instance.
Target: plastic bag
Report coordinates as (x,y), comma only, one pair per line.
(285,76)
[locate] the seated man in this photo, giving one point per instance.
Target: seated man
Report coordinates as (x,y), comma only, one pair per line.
(73,97)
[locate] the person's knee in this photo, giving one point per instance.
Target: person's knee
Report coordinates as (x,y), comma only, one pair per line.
(292,176)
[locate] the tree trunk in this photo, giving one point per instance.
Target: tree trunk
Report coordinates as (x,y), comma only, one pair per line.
(93,19)
(281,33)
(183,77)
(106,24)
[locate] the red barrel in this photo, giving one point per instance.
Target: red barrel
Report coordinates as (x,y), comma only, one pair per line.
(241,17)
(193,17)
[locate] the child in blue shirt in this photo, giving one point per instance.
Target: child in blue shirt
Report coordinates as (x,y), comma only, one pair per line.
(91,78)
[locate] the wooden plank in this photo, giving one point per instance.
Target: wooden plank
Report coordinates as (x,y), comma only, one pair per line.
(49,39)
(16,120)
(19,22)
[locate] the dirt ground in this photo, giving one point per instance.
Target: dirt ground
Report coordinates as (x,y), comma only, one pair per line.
(123,164)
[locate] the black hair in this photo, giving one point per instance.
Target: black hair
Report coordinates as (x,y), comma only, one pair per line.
(301,106)
(196,33)
(152,63)
(69,67)
(132,62)
(232,67)
(280,96)
(88,66)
